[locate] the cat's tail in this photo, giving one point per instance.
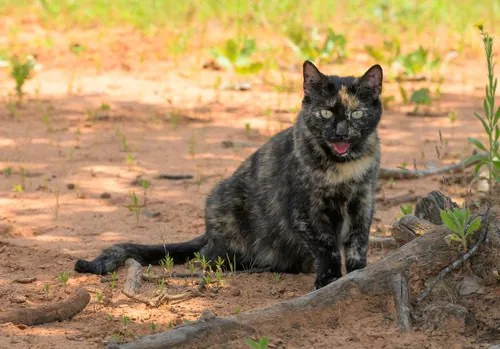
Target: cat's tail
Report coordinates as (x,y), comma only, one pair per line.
(113,257)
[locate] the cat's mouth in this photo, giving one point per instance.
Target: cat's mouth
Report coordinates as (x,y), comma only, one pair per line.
(341,148)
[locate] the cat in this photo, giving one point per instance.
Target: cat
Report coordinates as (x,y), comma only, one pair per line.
(300,199)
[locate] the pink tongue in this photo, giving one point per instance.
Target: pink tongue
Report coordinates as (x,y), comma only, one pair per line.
(341,147)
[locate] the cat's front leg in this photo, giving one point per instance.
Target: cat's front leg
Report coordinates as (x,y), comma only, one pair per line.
(360,209)
(328,264)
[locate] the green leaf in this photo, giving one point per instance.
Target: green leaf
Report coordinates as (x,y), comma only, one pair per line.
(483,121)
(249,47)
(376,54)
(453,237)
(231,51)
(421,96)
(477,143)
(449,220)
(249,69)
(474,158)
(474,225)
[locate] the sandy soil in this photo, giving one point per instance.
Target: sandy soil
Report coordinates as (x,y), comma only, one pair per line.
(67,152)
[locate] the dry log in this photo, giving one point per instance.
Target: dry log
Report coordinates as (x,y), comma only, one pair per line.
(382,242)
(58,311)
(420,259)
(398,199)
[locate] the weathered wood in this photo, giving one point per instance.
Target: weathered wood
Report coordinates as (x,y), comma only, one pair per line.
(401,295)
(410,227)
(58,311)
(430,206)
(132,283)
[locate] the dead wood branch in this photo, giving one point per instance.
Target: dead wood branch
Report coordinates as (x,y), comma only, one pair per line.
(133,281)
(26,280)
(401,295)
(410,227)
(133,284)
(58,311)
(382,242)
(173,177)
(398,199)
(399,173)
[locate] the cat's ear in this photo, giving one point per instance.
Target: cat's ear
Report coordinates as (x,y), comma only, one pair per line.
(313,78)
(372,80)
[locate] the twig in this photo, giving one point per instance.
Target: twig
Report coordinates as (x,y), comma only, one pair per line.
(58,311)
(398,199)
(27,280)
(398,173)
(382,242)
(173,177)
(461,259)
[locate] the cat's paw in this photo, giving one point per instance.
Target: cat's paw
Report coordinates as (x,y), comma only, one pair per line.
(323,281)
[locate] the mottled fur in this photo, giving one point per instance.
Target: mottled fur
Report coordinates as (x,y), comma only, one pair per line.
(296,202)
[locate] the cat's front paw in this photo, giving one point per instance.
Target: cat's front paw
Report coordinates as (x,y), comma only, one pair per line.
(323,281)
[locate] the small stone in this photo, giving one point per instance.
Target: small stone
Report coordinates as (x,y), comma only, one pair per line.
(21,326)
(5,229)
(18,299)
(70,186)
(235,292)
(207,315)
(470,284)
(105,195)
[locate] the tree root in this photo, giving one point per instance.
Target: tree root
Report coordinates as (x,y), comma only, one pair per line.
(58,311)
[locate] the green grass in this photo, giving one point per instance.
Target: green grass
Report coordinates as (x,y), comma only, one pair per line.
(248,15)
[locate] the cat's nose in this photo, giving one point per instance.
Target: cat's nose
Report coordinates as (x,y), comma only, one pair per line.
(342,130)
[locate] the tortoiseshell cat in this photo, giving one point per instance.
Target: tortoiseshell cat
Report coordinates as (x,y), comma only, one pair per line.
(299,199)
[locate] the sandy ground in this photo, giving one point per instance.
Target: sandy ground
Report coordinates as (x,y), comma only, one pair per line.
(66,151)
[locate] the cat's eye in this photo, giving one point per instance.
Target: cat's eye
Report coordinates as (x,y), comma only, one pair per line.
(357,114)
(326,114)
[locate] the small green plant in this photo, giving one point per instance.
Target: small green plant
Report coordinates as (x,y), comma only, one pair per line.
(125,322)
(7,172)
(406,209)
(219,275)
(418,62)
(63,277)
(46,289)
(21,72)
(192,146)
(109,317)
(462,227)
(235,55)
(17,188)
(135,206)
(490,156)
(248,129)
(421,97)
(232,264)
(167,263)
(47,120)
(262,343)
(114,278)
(99,296)
(277,277)
(145,184)
(387,54)
(308,45)
(153,326)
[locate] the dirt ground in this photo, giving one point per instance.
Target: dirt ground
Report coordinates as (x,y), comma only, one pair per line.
(81,138)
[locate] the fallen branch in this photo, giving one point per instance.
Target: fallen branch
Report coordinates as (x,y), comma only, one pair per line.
(399,173)
(382,242)
(173,177)
(27,280)
(401,296)
(133,284)
(58,311)
(398,199)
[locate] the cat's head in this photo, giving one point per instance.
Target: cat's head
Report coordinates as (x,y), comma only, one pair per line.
(342,112)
